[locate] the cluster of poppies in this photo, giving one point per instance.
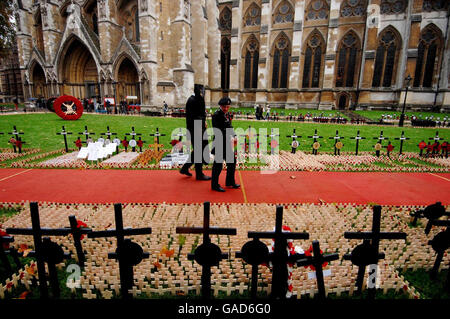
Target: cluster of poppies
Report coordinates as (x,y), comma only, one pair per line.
(27,163)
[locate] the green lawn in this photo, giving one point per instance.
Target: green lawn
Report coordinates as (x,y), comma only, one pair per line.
(40,131)
(286,112)
(376,115)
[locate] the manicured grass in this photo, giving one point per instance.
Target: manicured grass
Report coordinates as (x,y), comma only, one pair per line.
(376,115)
(285,112)
(428,288)
(7,212)
(40,131)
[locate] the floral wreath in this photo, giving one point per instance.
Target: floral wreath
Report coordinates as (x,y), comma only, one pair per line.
(68,107)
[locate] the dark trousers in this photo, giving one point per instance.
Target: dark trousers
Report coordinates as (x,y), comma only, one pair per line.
(190,161)
(217,169)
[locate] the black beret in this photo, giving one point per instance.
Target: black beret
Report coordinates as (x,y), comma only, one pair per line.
(225,101)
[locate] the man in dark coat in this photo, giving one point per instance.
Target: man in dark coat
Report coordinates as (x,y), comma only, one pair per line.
(224,138)
(196,116)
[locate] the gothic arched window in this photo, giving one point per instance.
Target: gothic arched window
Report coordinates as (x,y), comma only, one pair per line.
(428,57)
(435,5)
(284,13)
(315,49)
(347,60)
(225,20)
(129,19)
(353,8)
(253,16)
(251,64)
(39,33)
(393,6)
(225,55)
(280,70)
(317,10)
(386,59)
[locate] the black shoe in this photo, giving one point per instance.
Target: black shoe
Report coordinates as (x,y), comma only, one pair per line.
(234,185)
(203,178)
(218,189)
(185,172)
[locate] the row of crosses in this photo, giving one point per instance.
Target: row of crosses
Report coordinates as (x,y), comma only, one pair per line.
(338,144)
(129,254)
(441,242)
(108,134)
(256,253)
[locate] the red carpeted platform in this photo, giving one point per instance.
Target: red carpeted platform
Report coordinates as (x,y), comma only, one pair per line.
(156,186)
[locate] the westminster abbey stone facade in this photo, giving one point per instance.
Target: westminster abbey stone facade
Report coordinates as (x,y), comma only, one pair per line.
(323,54)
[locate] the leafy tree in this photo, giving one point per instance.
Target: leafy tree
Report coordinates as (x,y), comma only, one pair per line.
(7,25)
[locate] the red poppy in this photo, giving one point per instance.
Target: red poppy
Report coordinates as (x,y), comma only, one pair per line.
(174,142)
(24,295)
(4,234)
(81,224)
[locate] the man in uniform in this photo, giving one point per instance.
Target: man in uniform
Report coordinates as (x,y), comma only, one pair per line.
(196,113)
(223,147)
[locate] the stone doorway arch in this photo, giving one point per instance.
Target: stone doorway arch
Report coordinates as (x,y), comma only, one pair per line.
(343,101)
(79,72)
(39,87)
(127,81)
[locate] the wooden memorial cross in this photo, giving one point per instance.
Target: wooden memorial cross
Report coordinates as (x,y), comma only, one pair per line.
(15,133)
(77,233)
(440,243)
(250,141)
(316,145)
(207,254)
(402,139)
(368,252)
(432,212)
(132,141)
(273,142)
(317,260)
(86,133)
(254,253)
(295,144)
(128,253)
(5,240)
(45,251)
(436,138)
(19,144)
(108,133)
(357,138)
(157,135)
(337,143)
(64,134)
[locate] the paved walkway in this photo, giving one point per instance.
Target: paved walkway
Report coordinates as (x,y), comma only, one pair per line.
(156,186)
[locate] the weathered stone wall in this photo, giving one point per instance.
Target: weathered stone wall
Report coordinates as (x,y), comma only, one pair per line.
(180,44)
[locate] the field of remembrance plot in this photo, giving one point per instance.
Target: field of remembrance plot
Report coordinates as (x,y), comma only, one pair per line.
(41,131)
(168,272)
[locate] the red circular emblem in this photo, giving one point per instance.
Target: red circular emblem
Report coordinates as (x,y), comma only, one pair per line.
(68,107)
